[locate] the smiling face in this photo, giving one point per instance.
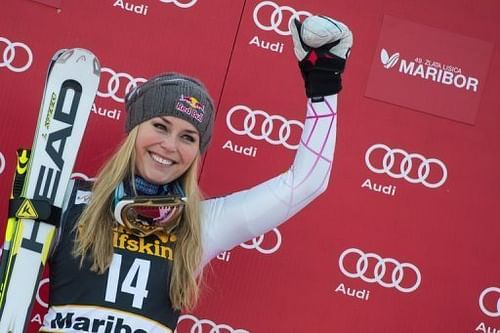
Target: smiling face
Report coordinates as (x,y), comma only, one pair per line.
(165,148)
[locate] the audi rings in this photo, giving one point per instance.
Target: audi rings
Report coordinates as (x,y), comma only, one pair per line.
(38,298)
(276,17)
(207,326)
(406,165)
(483,307)
(181,4)
(267,126)
(9,53)
(257,242)
(80,175)
(113,86)
(379,270)
(2,163)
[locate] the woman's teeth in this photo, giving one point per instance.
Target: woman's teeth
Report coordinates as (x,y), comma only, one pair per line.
(161,160)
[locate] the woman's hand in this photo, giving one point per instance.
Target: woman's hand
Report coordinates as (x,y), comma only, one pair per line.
(321,45)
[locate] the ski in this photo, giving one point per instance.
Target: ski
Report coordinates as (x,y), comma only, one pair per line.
(20,173)
(70,90)
(10,230)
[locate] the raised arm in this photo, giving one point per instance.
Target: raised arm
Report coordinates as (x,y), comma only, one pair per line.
(321,46)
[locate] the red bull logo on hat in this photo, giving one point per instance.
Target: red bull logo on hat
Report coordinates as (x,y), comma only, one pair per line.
(191,106)
(193,102)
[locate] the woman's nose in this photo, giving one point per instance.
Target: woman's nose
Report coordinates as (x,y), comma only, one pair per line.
(169,143)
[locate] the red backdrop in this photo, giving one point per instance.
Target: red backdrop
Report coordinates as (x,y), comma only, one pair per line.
(406,238)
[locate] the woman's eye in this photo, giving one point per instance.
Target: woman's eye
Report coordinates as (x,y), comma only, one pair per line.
(189,138)
(160,126)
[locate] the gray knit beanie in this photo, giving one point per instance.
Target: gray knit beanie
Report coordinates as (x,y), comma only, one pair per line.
(176,95)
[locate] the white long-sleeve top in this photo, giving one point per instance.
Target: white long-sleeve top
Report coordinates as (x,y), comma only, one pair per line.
(236,218)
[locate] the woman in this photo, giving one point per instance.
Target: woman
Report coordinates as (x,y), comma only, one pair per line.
(130,258)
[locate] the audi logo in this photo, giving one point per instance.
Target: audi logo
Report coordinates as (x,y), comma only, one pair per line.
(181,4)
(9,53)
(380,270)
(2,163)
(406,166)
(273,22)
(257,242)
(487,312)
(38,298)
(265,130)
(205,325)
(114,84)
(80,175)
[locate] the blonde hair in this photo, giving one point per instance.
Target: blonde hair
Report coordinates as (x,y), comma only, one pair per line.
(94,231)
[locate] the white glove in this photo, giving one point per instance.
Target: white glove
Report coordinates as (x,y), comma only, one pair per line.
(322,46)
